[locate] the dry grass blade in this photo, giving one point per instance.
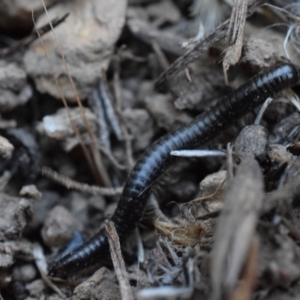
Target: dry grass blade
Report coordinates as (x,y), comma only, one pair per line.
(235,35)
(235,228)
(118,262)
(74,126)
(198,50)
(237,21)
(72,184)
(102,177)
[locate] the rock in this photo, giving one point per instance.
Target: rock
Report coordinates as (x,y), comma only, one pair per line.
(212,192)
(163,111)
(10,251)
(59,227)
(24,273)
(141,126)
(252,140)
(36,288)
(31,191)
(6,148)
(15,213)
(87,40)
(14,89)
(58,125)
(6,257)
(100,286)
(97,202)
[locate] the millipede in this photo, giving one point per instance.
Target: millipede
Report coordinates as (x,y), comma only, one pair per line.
(157,158)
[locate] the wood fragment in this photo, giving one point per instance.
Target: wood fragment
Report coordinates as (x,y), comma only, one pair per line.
(229,162)
(235,35)
(243,291)
(237,21)
(118,262)
(235,228)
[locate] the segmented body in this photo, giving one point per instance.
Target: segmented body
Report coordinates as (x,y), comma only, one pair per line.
(157,158)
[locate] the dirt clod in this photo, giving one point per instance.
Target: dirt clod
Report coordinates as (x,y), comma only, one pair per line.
(59,227)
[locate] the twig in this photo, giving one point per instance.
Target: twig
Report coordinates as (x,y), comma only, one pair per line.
(118,262)
(72,184)
(37,33)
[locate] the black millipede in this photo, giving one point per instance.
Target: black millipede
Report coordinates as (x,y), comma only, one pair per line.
(157,159)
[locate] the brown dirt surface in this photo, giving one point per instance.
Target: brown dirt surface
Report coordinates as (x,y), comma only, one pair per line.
(86,86)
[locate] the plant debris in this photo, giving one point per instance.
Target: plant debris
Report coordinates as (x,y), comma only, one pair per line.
(85,87)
